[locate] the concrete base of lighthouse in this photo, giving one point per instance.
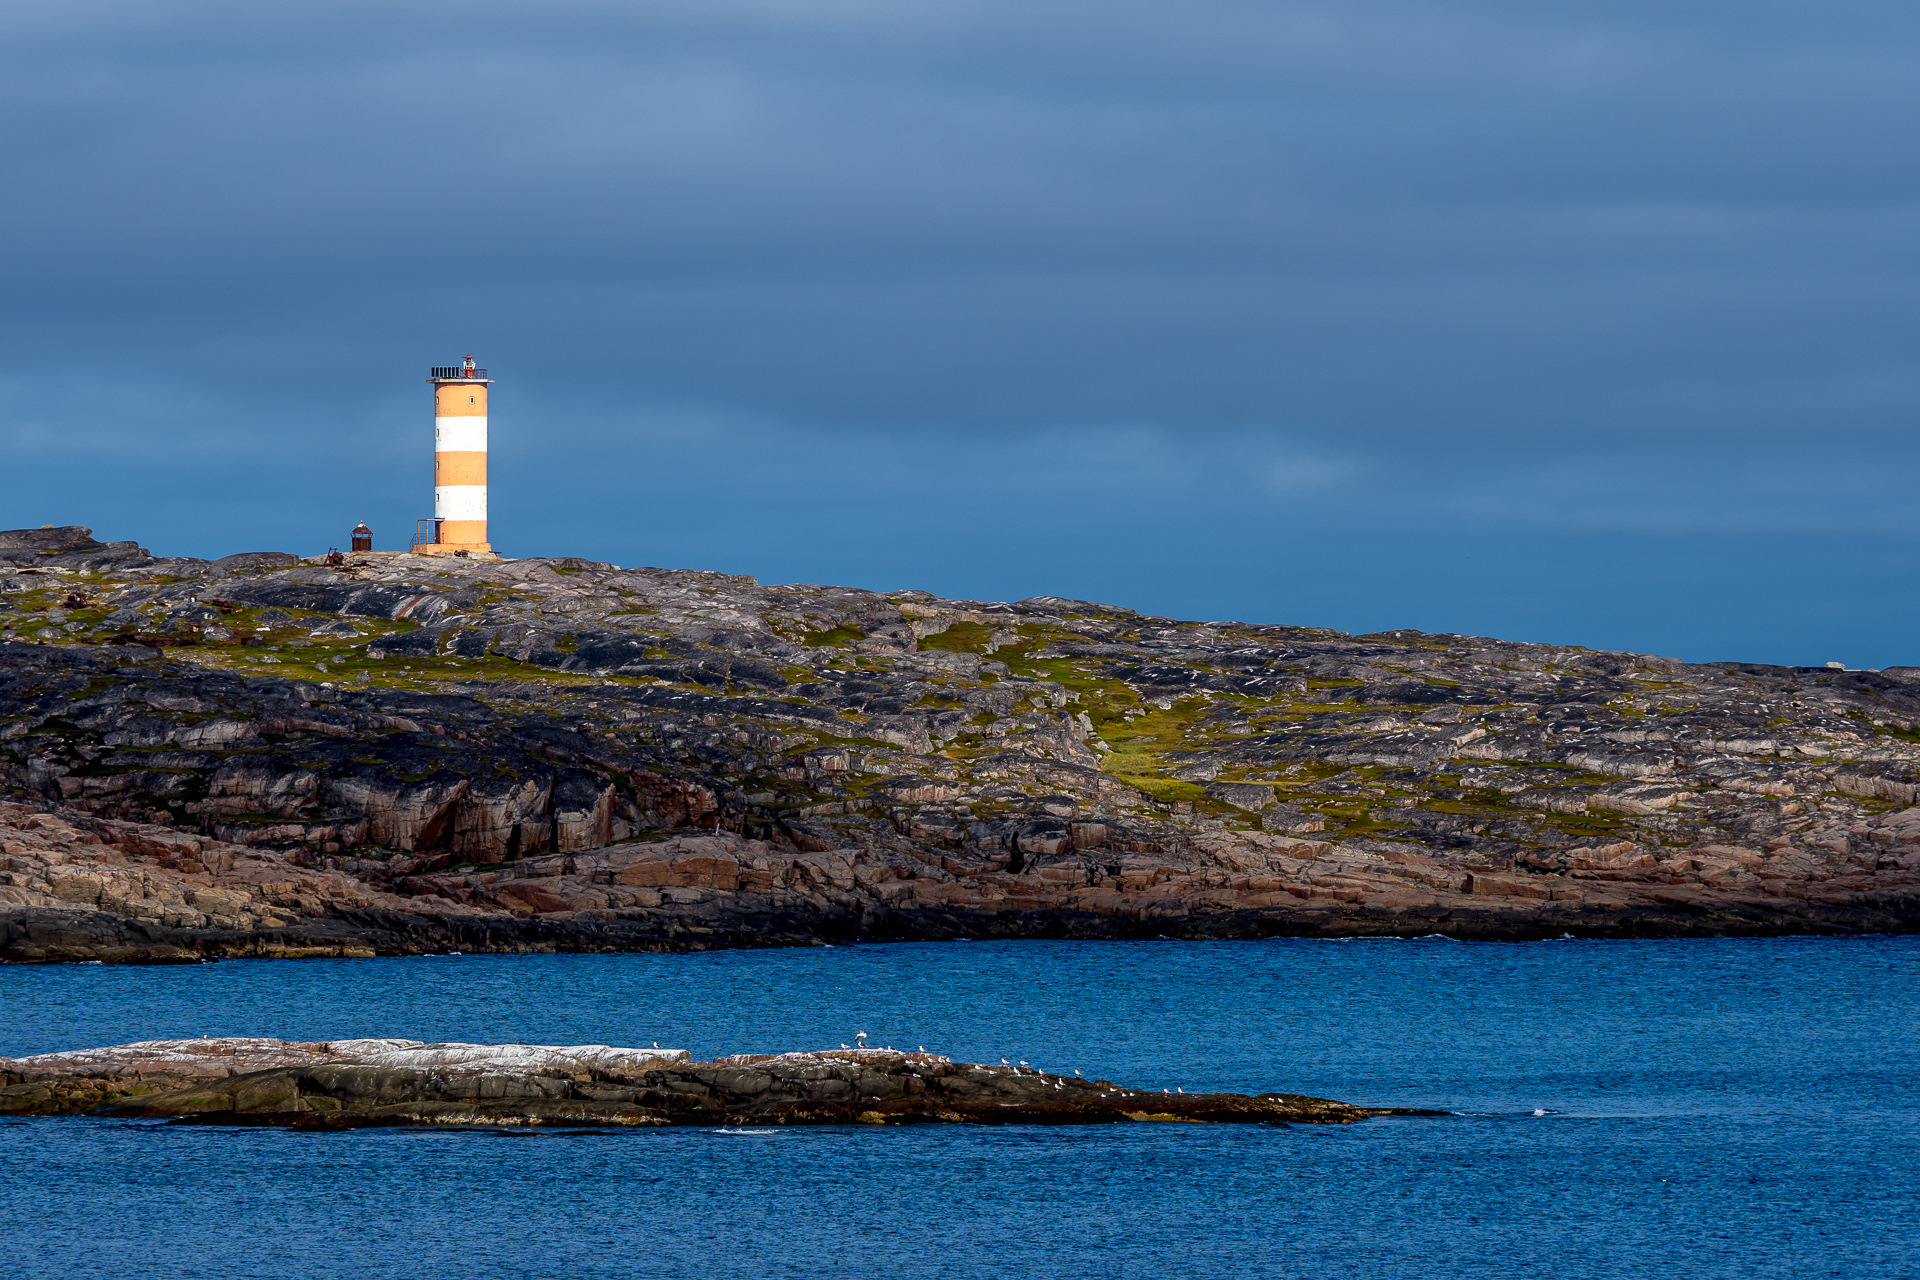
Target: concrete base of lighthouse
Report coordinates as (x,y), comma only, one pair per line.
(472,550)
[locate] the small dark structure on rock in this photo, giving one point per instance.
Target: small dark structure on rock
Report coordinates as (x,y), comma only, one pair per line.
(362,537)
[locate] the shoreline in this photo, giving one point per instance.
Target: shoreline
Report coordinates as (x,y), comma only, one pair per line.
(88,938)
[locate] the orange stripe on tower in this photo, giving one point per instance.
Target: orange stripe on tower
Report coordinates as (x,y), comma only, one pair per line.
(464,535)
(459,467)
(460,400)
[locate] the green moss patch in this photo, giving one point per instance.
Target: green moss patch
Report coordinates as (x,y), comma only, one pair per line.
(836,638)
(961,637)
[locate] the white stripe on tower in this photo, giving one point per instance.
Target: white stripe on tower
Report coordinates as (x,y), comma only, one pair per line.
(460,435)
(460,502)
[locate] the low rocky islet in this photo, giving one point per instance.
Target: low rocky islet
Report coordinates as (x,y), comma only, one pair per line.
(374,1082)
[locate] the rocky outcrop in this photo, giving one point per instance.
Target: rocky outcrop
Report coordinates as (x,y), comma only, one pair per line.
(358,1083)
(263,756)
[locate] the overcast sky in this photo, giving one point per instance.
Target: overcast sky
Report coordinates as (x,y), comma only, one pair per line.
(1585,322)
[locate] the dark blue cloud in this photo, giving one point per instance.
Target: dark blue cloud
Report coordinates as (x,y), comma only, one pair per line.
(1580,322)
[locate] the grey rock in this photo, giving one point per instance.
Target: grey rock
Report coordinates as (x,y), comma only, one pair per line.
(1252,796)
(1286,820)
(246,560)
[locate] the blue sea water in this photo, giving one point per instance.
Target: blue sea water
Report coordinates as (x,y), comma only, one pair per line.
(1708,1108)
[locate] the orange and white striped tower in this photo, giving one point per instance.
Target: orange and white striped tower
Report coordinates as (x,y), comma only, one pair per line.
(459,459)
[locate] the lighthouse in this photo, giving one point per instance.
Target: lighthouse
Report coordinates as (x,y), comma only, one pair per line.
(459,525)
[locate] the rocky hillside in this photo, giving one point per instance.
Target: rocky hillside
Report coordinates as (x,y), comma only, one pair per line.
(265,755)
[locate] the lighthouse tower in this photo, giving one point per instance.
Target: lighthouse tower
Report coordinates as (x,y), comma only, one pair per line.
(459,461)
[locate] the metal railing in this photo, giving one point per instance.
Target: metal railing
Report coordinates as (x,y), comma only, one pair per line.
(425,533)
(441,372)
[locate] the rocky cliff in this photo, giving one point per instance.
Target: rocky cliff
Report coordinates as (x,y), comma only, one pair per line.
(262,755)
(357,1083)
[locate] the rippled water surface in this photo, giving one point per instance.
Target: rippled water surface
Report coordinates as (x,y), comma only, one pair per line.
(1700,1108)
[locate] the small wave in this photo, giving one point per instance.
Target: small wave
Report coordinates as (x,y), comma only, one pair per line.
(1435,937)
(752,1133)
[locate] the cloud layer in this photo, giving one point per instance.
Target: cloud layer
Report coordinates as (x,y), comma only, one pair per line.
(1583,322)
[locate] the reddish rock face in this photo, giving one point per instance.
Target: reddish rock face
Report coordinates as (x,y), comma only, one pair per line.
(79,887)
